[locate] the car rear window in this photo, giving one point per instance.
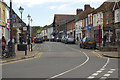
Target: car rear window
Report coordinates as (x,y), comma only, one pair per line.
(70,36)
(90,39)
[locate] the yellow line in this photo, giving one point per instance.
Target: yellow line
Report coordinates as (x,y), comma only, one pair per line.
(39,55)
(98,55)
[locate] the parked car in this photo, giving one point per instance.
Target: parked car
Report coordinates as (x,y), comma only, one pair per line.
(58,39)
(63,39)
(88,43)
(38,40)
(52,39)
(69,39)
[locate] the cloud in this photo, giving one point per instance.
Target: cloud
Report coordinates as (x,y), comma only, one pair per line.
(52,7)
(31,3)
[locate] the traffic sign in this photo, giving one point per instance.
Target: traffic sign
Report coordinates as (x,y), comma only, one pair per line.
(8,20)
(14,16)
(17,25)
(24,28)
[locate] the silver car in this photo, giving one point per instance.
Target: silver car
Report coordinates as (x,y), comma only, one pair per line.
(69,39)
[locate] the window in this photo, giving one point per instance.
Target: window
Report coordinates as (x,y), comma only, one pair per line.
(3,15)
(95,19)
(107,18)
(91,19)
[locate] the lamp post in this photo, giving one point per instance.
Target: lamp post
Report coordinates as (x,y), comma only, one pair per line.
(11,47)
(21,11)
(28,29)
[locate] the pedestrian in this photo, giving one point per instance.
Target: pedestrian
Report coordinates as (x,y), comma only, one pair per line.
(104,40)
(3,45)
(20,39)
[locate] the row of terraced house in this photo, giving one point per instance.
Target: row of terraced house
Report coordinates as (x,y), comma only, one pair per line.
(5,24)
(90,22)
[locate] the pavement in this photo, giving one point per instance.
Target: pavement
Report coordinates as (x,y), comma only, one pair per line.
(108,53)
(21,55)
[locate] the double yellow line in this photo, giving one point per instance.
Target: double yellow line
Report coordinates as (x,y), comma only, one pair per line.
(39,55)
(97,54)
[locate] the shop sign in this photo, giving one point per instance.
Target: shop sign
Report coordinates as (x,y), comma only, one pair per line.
(90,27)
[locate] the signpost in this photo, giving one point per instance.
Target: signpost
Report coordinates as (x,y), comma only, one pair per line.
(17,25)
(24,28)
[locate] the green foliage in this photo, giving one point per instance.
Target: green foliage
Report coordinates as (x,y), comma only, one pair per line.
(35,29)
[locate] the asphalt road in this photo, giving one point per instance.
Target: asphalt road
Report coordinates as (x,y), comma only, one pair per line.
(59,60)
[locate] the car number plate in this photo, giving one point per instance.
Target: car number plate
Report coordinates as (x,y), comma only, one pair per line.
(90,42)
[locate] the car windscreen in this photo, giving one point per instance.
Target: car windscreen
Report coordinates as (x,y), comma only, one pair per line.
(70,36)
(90,39)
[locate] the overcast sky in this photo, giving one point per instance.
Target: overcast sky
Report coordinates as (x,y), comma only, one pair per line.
(42,11)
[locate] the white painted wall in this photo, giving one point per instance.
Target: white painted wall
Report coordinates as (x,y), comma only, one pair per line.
(78,26)
(49,32)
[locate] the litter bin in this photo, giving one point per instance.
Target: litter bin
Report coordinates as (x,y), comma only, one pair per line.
(22,47)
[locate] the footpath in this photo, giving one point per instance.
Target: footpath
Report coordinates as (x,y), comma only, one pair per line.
(19,55)
(109,52)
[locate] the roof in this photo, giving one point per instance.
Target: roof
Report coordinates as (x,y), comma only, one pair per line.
(62,18)
(84,14)
(106,6)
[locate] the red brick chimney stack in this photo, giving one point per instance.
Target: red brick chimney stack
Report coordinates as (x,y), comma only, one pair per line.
(86,6)
(78,11)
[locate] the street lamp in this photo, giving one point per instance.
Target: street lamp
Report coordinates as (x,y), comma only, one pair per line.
(21,11)
(29,41)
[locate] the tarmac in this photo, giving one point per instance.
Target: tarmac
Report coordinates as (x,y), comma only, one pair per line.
(21,54)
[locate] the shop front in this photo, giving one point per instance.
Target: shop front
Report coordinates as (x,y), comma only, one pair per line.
(98,34)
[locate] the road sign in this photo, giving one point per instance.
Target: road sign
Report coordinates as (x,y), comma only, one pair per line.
(8,20)
(8,26)
(14,16)
(14,20)
(17,25)
(24,28)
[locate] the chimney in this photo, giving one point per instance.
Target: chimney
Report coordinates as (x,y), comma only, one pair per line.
(86,6)
(78,11)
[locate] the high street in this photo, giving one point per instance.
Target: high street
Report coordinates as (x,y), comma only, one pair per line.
(59,60)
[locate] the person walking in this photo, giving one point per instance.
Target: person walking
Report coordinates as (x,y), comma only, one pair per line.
(104,40)
(3,45)
(20,39)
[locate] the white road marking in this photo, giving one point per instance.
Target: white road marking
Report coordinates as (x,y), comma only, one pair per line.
(99,71)
(106,75)
(103,77)
(74,67)
(91,77)
(102,69)
(106,63)
(95,74)
(110,71)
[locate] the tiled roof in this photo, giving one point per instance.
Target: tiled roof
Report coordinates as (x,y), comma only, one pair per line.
(83,14)
(106,6)
(63,18)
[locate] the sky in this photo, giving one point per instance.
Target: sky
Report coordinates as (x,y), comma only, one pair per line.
(42,11)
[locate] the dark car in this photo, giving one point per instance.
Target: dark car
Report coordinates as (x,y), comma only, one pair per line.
(88,43)
(38,40)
